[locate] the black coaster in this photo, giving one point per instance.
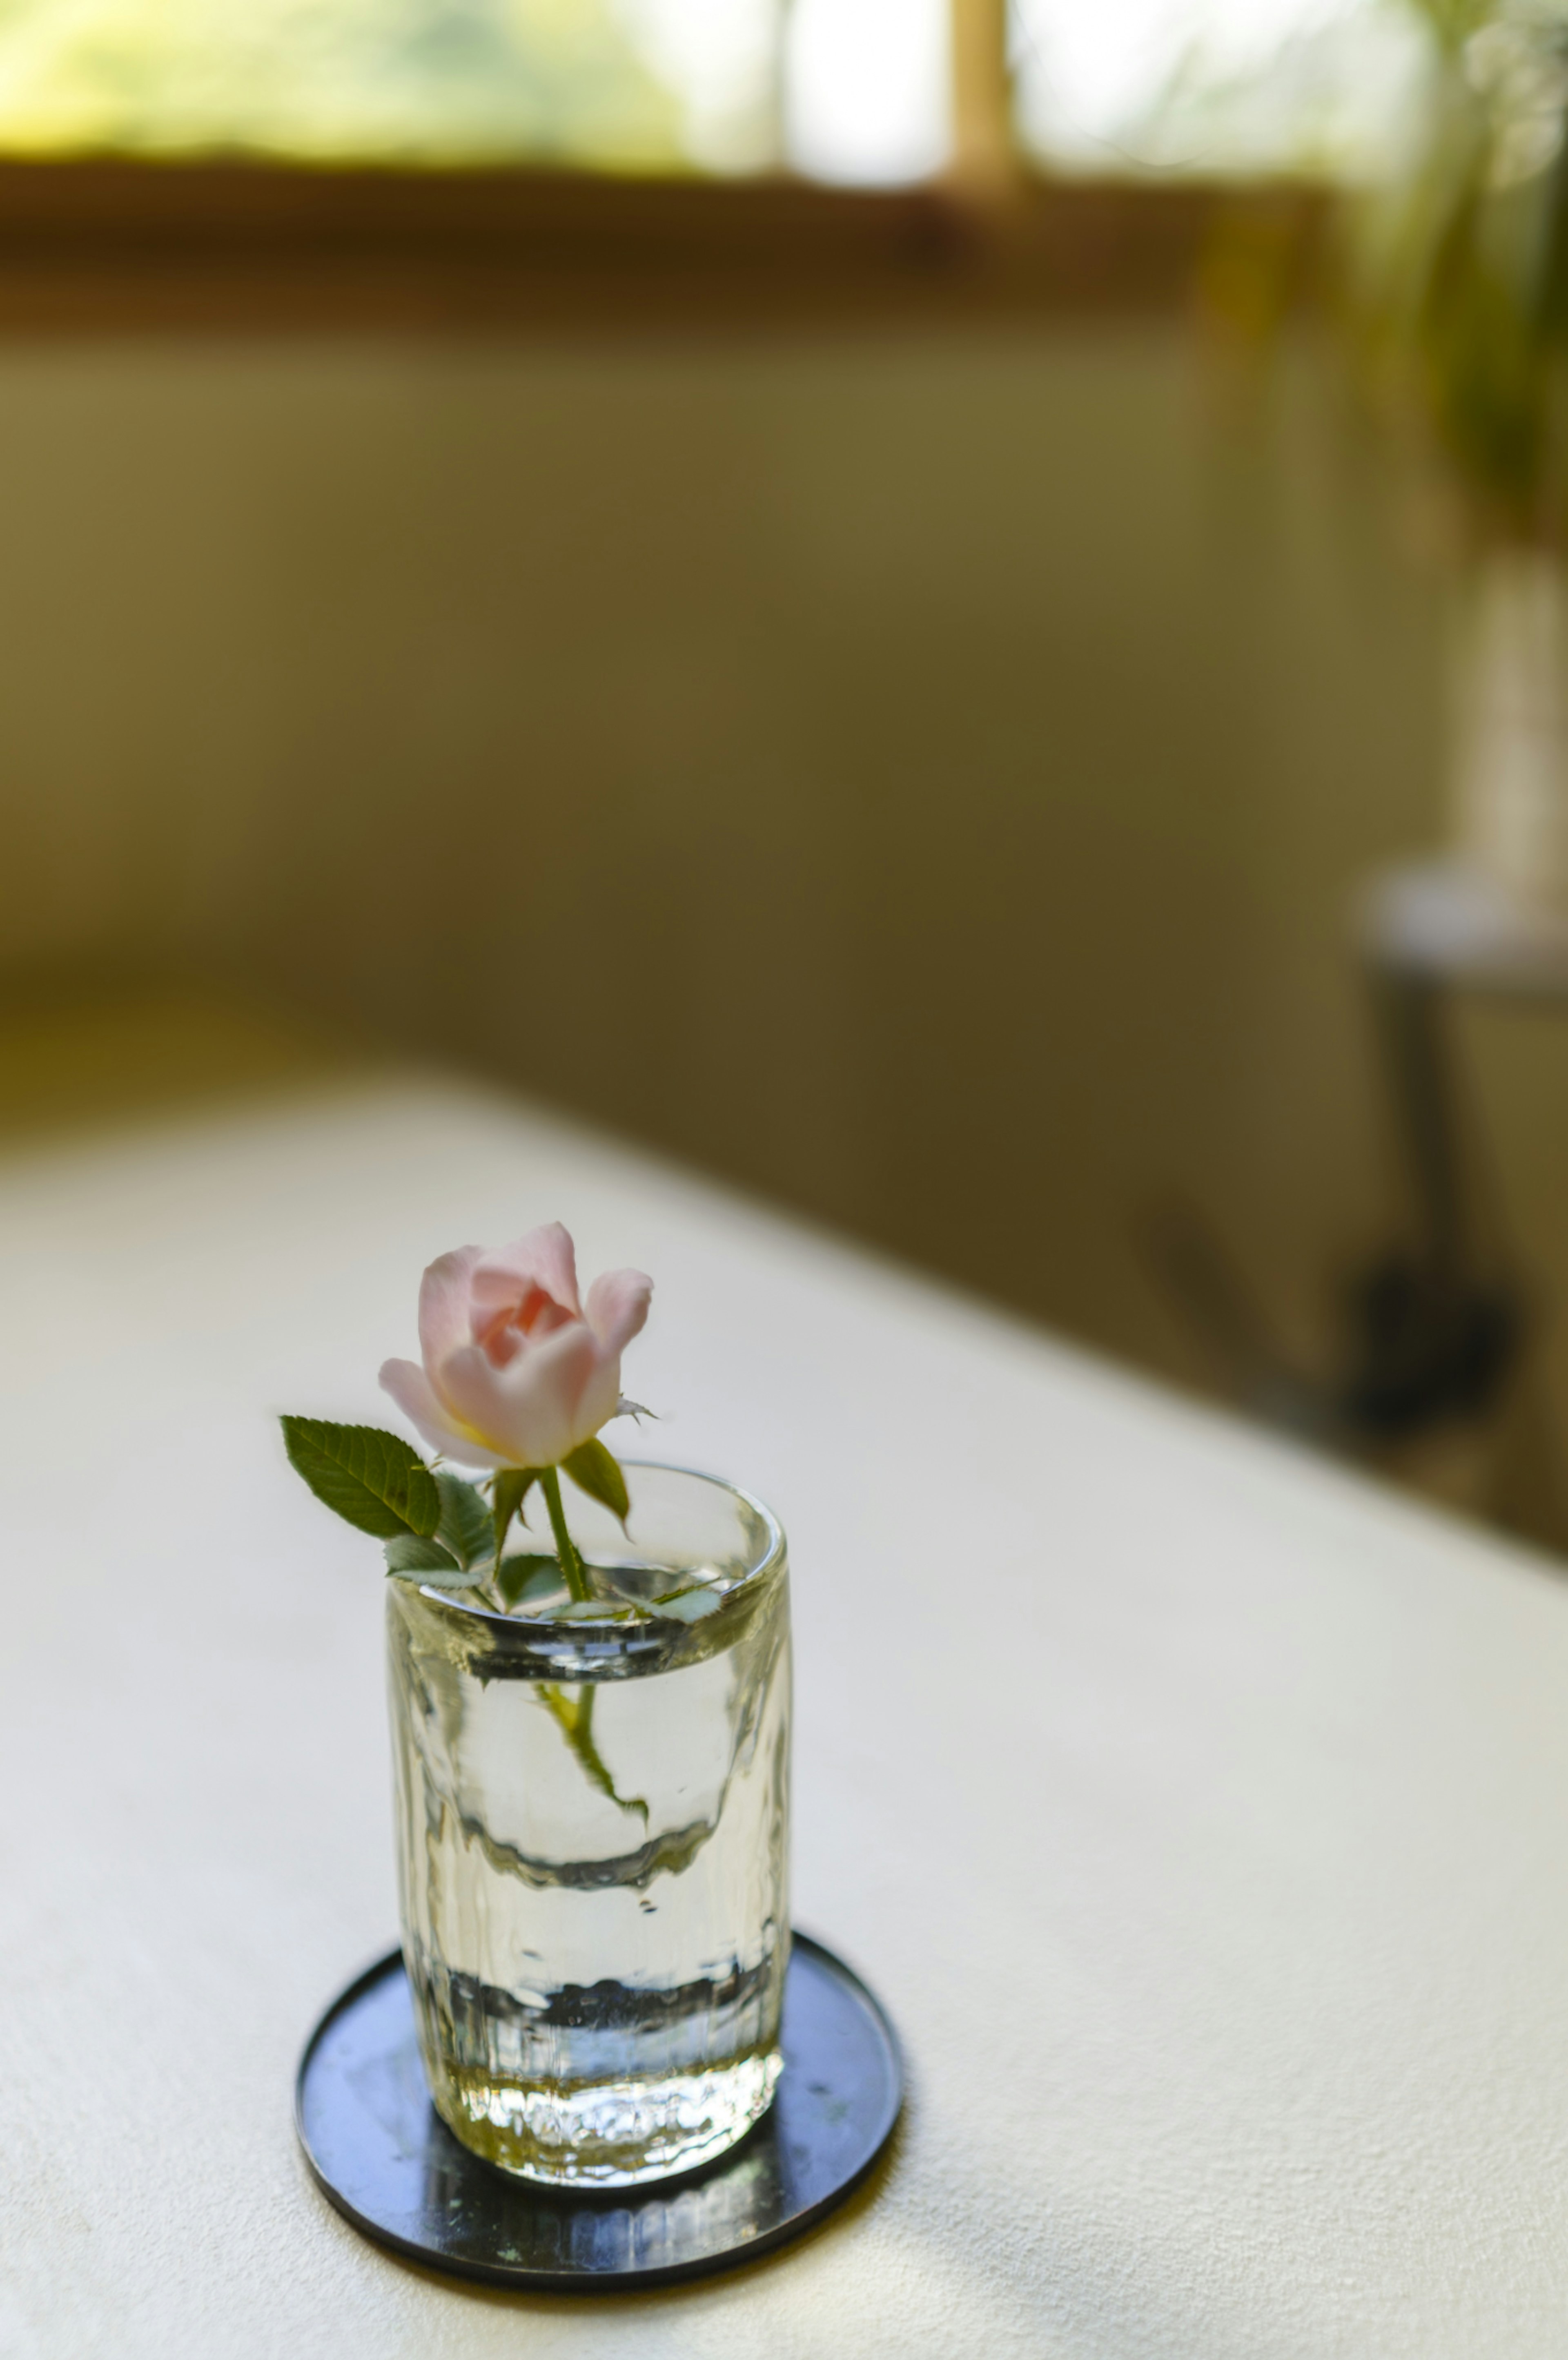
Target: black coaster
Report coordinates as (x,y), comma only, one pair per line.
(382,2154)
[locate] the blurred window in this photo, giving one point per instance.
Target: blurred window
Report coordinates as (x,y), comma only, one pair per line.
(1204,86)
(633,85)
(845,90)
(865,93)
(852,90)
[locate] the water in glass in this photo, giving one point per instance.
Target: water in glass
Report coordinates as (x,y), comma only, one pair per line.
(592,1802)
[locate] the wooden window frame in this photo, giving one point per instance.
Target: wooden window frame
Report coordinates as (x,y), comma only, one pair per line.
(125,246)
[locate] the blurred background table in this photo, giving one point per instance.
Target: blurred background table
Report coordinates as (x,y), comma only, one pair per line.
(1200,1810)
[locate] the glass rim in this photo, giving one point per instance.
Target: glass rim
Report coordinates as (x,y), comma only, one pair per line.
(767,1562)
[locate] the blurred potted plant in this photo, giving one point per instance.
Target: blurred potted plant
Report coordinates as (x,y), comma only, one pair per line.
(1469,287)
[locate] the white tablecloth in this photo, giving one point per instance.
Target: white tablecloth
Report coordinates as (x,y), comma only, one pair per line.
(1201,1814)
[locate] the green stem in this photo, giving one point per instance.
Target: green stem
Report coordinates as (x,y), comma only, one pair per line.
(565,1547)
(575,1722)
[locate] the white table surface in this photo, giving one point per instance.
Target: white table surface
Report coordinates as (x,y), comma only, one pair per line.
(1201,1814)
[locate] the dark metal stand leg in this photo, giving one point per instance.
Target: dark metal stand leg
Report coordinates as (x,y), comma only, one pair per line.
(1438,1323)
(1435,1324)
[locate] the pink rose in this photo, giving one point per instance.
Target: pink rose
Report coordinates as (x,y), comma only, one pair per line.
(516,1373)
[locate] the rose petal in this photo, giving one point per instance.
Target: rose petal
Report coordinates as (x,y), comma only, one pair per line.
(444,1316)
(412,1391)
(544,1258)
(618,1307)
(529,1410)
(601,1398)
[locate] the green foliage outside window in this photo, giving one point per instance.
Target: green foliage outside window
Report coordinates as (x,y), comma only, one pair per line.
(436,81)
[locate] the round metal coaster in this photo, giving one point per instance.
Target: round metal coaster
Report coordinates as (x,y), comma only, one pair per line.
(382,2154)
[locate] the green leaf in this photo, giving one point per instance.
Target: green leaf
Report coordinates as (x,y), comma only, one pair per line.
(509,1490)
(410,1555)
(690,1605)
(528,1577)
(374,1481)
(464,1523)
(594,1470)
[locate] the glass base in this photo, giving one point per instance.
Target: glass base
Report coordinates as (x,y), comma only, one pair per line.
(606,2133)
(381,2154)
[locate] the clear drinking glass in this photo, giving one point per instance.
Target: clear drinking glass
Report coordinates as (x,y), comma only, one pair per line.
(593,1806)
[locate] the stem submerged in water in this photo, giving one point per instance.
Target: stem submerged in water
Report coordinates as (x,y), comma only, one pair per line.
(565,1547)
(576,1721)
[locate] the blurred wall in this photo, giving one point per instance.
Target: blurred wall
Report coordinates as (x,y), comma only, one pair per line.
(921,778)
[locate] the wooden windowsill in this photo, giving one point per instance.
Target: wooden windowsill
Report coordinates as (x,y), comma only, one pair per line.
(131,246)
